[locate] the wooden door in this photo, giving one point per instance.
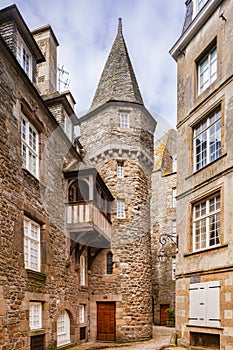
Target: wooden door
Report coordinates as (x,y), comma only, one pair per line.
(37,342)
(163,314)
(106,324)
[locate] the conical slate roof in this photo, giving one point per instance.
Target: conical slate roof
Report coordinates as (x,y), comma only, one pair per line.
(118,81)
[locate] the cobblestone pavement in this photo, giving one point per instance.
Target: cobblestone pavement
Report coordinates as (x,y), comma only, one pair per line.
(161,339)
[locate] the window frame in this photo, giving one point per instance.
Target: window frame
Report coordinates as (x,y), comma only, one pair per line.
(63,322)
(29,244)
(35,315)
(29,147)
(68,128)
(121,209)
(207,56)
(206,126)
(124,120)
(174,194)
(204,222)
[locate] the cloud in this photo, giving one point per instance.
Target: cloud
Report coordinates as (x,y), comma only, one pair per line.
(86,30)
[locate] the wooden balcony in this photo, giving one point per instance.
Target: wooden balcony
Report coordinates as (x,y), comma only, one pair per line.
(87,225)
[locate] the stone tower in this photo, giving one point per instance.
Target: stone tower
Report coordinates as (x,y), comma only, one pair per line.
(117,135)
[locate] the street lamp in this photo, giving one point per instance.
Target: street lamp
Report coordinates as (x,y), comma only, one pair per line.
(165,238)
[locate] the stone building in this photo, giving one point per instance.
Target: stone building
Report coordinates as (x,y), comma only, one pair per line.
(43,268)
(121,148)
(75,264)
(204,286)
(163,221)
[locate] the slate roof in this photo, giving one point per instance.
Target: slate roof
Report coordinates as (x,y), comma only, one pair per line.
(118,81)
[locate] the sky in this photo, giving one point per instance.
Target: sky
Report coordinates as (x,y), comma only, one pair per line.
(86,29)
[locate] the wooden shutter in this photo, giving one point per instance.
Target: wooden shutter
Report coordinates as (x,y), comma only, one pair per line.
(213,304)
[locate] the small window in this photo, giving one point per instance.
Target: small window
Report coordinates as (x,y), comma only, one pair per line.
(200,4)
(207,144)
(174,227)
(124,120)
(173,268)
(82,270)
(109,263)
(81,313)
(174,163)
(174,197)
(207,70)
(68,128)
(30,147)
(63,329)
(206,223)
(24,56)
(35,315)
(121,209)
(120,169)
(31,245)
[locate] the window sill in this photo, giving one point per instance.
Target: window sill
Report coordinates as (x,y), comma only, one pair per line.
(206,166)
(36,275)
(204,327)
(207,250)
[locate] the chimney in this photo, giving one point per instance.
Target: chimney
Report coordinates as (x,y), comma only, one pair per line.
(46,72)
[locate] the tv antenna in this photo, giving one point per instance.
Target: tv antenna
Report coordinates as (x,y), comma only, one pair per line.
(62,80)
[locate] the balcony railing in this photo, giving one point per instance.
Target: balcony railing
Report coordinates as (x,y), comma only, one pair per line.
(85,218)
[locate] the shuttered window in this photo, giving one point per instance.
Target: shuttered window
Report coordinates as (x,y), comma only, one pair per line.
(205,304)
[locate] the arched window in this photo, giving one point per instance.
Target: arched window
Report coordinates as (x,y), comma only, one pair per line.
(63,328)
(109,263)
(78,191)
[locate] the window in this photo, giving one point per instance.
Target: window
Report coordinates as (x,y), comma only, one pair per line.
(173,268)
(205,304)
(31,245)
(200,4)
(207,143)
(24,57)
(82,270)
(206,223)
(63,328)
(174,197)
(81,313)
(68,128)
(35,315)
(120,169)
(173,227)
(109,263)
(124,120)
(30,147)
(174,163)
(121,209)
(207,70)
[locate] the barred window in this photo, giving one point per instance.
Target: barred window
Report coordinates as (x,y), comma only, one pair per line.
(109,263)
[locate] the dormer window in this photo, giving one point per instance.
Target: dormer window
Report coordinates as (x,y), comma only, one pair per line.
(200,4)
(197,6)
(24,56)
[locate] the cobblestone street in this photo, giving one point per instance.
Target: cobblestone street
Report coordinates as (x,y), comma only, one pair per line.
(161,339)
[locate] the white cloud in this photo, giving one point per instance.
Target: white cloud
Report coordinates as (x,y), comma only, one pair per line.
(86,30)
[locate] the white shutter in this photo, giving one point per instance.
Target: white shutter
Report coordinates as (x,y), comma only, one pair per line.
(213,304)
(197,304)
(205,304)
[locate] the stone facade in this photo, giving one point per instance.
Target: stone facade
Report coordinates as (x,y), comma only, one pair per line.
(163,221)
(210,29)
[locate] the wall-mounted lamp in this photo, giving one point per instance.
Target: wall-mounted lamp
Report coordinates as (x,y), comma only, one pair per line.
(165,238)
